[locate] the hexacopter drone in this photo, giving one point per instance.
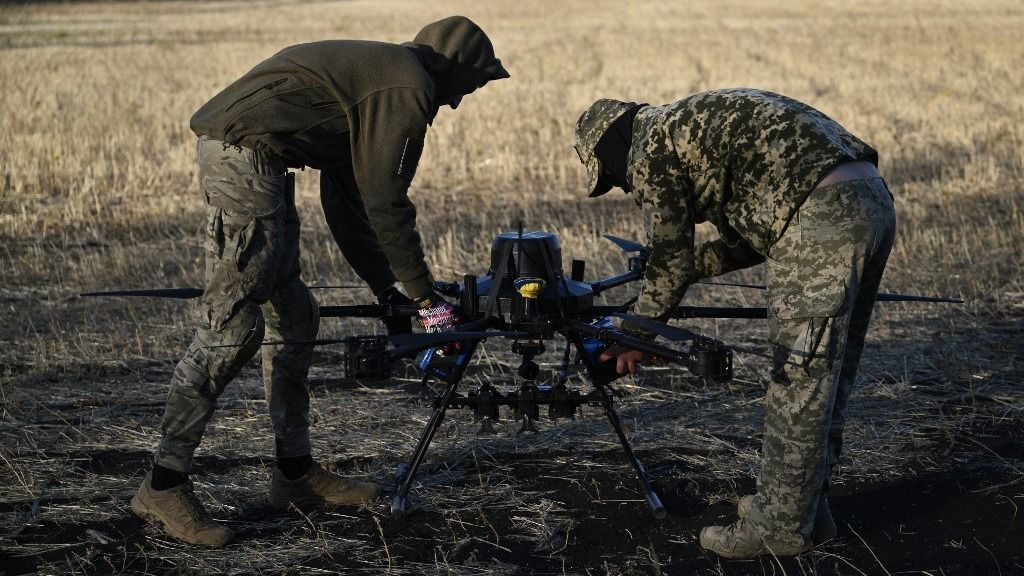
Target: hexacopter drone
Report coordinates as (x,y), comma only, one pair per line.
(525,297)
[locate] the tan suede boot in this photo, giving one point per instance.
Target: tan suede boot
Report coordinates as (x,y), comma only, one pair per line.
(318,486)
(742,540)
(181,514)
(824,525)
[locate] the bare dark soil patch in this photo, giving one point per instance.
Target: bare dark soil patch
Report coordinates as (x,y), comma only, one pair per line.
(933,481)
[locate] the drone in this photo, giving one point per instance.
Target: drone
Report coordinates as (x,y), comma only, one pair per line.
(526,298)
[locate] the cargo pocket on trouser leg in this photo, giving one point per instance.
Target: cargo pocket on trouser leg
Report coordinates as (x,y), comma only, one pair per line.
(245,238)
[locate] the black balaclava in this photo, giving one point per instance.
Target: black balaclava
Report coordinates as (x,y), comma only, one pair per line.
(612,151)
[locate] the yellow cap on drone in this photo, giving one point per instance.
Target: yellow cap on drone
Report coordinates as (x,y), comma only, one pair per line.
(529,287)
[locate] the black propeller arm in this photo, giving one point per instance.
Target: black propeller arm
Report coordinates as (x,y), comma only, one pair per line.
(367,311)
(612,336)
(661,329)
(617,280)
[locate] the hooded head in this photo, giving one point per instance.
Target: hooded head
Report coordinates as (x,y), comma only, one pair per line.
(603,138)
(458,56)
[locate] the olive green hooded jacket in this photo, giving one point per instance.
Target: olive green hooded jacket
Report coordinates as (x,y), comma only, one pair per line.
(362,107)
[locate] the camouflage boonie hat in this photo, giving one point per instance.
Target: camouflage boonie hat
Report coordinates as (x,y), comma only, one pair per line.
(590,126)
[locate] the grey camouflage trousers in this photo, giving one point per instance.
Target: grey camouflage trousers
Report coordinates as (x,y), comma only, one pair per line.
(253,289)
(823,275)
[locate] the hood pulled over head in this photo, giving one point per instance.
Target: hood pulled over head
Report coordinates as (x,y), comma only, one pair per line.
(459,57)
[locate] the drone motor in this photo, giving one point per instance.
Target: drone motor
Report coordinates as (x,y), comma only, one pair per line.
(366,358)
(712,360)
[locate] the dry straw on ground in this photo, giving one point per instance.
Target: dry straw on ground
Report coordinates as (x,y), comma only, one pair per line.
(97,192)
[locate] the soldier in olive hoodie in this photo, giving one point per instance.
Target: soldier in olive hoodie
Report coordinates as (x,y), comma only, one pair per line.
(358,111)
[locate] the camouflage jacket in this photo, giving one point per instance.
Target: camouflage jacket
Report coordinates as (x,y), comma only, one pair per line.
(363,107)
(742,159)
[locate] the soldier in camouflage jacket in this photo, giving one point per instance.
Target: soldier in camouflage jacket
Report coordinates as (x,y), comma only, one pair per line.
(787,186)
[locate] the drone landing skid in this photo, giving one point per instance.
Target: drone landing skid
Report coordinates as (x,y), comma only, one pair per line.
(450,399)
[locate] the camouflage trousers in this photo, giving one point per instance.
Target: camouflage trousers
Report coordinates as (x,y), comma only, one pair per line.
(823,275)
(253,289)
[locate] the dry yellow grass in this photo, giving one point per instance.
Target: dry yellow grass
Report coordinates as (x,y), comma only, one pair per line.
(97,188)
(97,192)
(95,145)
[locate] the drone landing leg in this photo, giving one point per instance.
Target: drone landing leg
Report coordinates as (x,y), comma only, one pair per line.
(657,508)
(406,473)
(599,382)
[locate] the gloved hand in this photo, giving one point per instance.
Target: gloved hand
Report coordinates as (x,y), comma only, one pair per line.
(436,314)
(395,324)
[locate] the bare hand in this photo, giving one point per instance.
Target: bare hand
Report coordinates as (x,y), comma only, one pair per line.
(625,359)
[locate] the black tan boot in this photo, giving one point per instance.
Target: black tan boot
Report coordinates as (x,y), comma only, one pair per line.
(318,486)
(182,515)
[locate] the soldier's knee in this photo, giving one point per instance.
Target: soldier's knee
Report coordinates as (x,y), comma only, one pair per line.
(225,351)
(293,310)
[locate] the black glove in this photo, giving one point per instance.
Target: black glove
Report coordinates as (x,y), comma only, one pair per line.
(391,298)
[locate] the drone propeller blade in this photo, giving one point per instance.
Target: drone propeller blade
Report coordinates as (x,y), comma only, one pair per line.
(886,297)
(189,293)
(733,284)
(660,328)
(626,245)
(179,293)
(318,342)
(879,297)
(367,311)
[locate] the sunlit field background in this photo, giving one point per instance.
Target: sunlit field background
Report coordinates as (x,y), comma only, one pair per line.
(98,192)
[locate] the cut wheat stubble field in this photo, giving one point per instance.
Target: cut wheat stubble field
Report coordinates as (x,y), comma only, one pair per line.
(98,192)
